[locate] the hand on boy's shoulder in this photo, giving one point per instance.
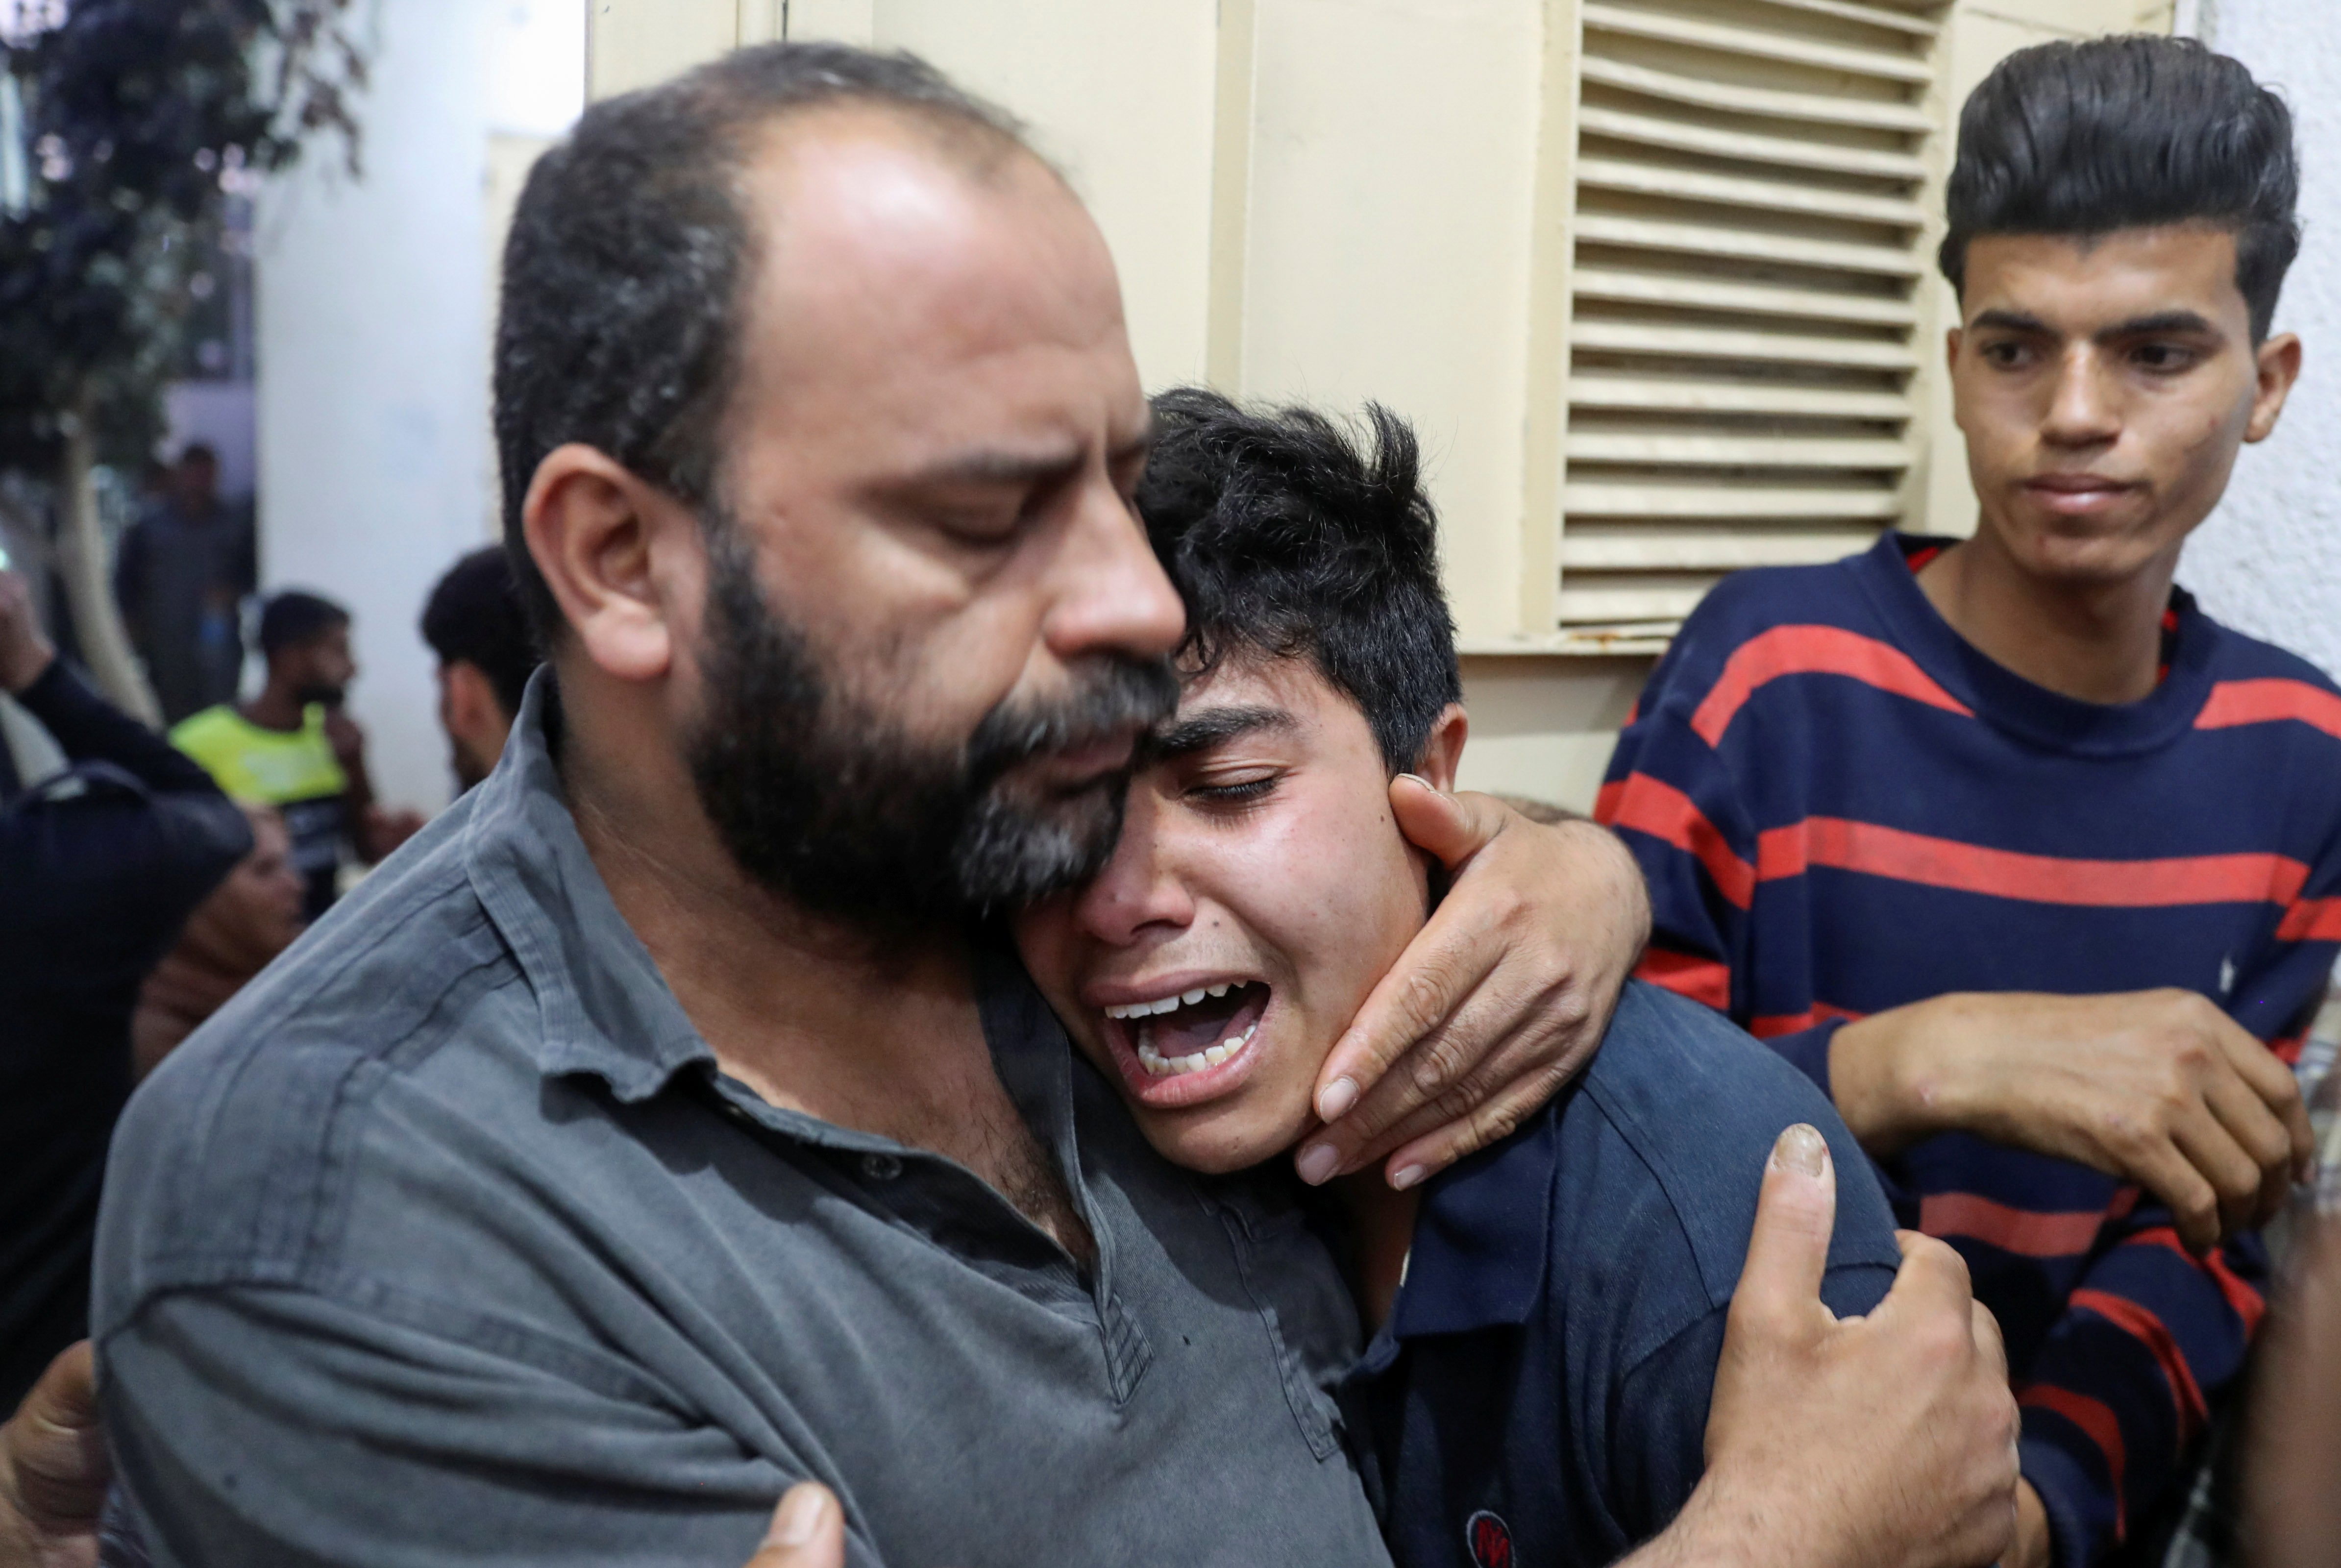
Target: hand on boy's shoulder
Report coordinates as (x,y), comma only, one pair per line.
(1662,1164)
(1698,1102)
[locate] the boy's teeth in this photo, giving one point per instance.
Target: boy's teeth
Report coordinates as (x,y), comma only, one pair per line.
(1158,1065)
(1169,1004)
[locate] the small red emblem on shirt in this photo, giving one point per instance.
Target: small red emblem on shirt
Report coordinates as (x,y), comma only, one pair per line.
(1489,1540)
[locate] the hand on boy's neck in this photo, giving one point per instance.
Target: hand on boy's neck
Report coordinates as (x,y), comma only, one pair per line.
(2104,386)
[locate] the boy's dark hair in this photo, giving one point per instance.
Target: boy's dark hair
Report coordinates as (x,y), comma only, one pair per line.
(1287,534)
(294,616)
(474,616)
(2081,139)
(629,258)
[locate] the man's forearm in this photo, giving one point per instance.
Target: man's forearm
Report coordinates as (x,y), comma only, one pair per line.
(1717,1528)
(1885,1114)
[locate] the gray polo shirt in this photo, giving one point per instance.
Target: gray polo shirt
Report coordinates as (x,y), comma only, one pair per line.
(447,1242)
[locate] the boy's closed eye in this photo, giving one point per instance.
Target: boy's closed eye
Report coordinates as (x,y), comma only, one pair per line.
(1243,784)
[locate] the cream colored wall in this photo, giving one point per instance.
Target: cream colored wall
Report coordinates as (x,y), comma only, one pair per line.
(1338,200)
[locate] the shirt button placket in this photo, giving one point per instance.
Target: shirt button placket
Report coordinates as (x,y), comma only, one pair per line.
(880,1166)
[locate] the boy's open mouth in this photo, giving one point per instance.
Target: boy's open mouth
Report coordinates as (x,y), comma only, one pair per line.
(1186,1035)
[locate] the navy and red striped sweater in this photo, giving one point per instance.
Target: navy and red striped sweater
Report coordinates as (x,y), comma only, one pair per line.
(1843,808)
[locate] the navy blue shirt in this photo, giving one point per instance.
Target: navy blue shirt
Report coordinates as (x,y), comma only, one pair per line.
(1540,1392)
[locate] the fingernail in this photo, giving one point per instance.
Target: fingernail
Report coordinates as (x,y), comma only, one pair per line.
(1801,1149)
(801,1514)
(1338,1096)
(1405,1176)
(1317,1163)
(1419,778)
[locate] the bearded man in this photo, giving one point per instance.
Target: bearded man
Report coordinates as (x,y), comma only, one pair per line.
(664,1126)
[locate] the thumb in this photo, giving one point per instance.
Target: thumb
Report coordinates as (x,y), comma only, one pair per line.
(65,1398)
(1452,828)
(53,1451)
(1788,1252)
(808,1531)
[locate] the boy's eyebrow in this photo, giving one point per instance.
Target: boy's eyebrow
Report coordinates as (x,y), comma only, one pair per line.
(1212,726)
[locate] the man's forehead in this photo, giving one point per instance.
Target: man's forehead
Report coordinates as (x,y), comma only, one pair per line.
(2083,282)
(871,220)
(915,303)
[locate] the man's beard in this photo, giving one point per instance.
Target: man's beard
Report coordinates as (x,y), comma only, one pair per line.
(309,694)
(822,797)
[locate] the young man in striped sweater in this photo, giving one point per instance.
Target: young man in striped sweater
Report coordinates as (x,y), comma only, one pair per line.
(2030,865)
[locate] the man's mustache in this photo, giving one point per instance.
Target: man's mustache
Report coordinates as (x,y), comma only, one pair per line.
(1114,695)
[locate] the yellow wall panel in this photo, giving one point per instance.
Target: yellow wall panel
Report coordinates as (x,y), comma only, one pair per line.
(1392,178)
(1121,96)
(632,43)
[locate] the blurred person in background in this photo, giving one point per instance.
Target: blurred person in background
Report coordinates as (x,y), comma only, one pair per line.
(292,747)
(184,568)
(250,917)
(100,865)
(476,623)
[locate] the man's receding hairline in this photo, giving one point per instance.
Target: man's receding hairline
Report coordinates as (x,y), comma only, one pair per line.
(969,146)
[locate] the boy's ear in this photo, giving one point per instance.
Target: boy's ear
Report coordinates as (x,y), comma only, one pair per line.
(1442,753)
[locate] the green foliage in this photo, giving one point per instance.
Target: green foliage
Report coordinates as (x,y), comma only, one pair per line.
(143,117)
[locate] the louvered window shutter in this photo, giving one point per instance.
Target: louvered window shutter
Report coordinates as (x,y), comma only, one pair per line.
(1748,238)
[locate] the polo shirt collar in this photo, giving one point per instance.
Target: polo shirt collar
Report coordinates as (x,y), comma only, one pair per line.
(605,1008)
(1483,1239)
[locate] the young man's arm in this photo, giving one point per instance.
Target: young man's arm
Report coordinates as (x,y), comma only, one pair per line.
(2122,1384)
(2160,1088)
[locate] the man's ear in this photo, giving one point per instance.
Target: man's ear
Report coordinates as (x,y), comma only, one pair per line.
(1442,754)
(589,524)
(2279,367)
